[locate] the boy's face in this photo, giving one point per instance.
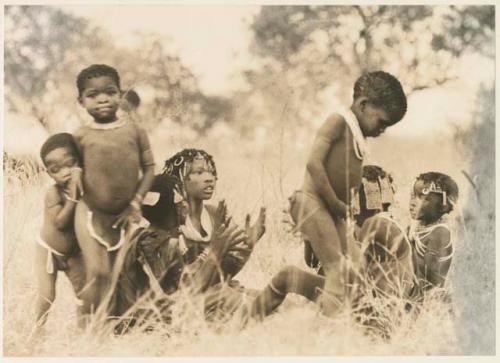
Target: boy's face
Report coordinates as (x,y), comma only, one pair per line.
(425,207)
(200,183)
(101,98)
(59,163)
(373,120)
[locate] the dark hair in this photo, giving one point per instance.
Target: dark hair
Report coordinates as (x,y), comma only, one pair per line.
(179,164)
(96,70)
(132,97)
(382,90)
(445,183)
(56,141)
(164,212)
(374,172)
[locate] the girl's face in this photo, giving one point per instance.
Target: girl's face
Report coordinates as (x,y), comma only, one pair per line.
(424,205)
(200,183)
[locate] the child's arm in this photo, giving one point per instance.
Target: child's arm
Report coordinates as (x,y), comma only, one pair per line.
(59,210)
(133,211)
(328,133)
(436,269)
(147,164)
(238,255)
(198,275)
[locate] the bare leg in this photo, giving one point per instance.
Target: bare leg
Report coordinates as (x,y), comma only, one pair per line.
(97,261)
(289,280)
(46,286)
(320,229)
(76,275)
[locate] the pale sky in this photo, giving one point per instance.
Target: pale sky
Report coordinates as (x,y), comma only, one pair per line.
(211,40)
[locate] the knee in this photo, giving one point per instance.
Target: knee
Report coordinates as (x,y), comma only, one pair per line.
(286,276)
(47,296)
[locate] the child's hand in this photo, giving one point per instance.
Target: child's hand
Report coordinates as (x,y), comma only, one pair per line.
(256,231)
(287,219)
(225,238)
(220,216)
(129,216)
(76,185)
(340,209)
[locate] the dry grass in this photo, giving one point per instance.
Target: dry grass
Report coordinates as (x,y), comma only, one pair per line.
(248,178)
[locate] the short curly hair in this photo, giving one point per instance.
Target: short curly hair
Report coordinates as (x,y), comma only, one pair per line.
(382,90)
(96,70)
(445,183)
(375,172)
(179,165)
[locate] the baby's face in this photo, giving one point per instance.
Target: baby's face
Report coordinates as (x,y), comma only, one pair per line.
(424,205)
(59,163)
(373,120)
(101,98)
(200,183)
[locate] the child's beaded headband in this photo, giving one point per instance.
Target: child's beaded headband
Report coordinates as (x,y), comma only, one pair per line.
(434,188)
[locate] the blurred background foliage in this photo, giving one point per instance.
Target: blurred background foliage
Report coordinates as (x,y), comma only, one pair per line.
(301,52)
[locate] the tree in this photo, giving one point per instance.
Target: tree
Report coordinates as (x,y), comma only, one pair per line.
(45,48)
(305,50)
(36,43)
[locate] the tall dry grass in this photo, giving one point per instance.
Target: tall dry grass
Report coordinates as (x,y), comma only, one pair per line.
(249,176)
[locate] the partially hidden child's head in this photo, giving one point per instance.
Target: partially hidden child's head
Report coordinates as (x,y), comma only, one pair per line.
(99,92)
(378,102)
(130,101)
(375,195)
(163,206)
(60,155)
(434,194)
(196,171)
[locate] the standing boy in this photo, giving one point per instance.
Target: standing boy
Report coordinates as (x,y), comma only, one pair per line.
(118,171)
(334,167)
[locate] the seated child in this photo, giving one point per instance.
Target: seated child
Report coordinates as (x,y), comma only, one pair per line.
(334,167)
(56,247)
(154,260)
(434,196)
(115,153)
(197,174)
(157,262)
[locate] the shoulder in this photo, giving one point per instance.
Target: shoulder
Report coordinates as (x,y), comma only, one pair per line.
(377,220)
(334,120)
(333,125)
(80,132)
(440,236)
(380,223)
(53,196)
(384,226)
(134,126)
(139,131)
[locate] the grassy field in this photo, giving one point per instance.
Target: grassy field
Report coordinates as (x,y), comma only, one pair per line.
(249,176)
